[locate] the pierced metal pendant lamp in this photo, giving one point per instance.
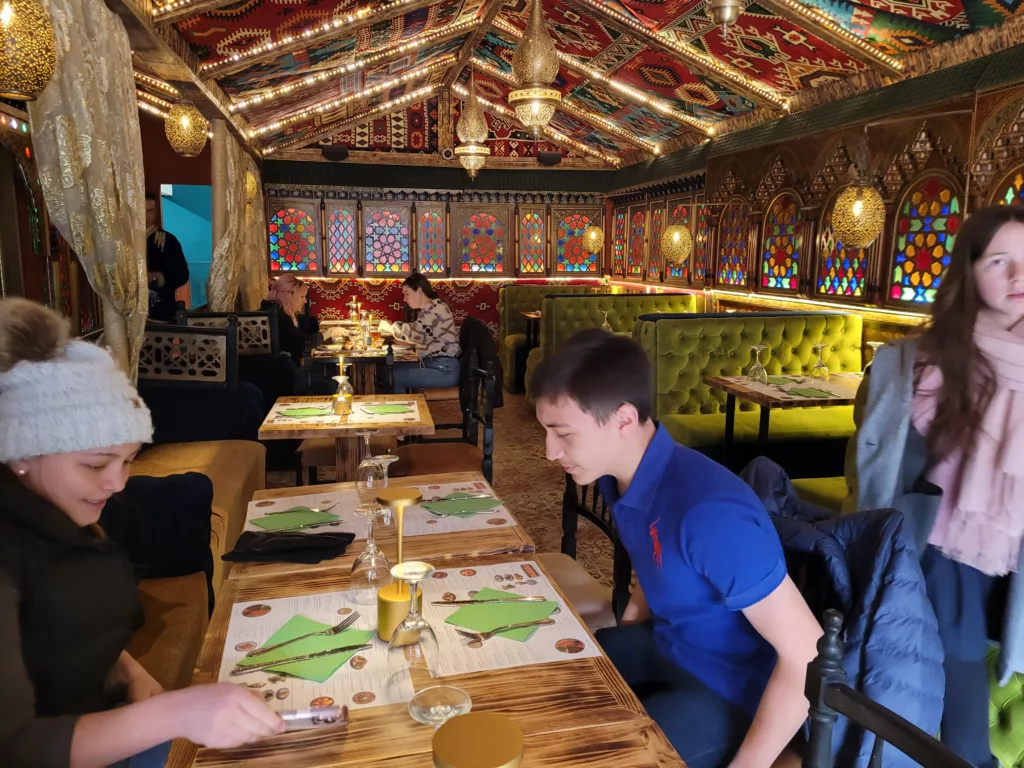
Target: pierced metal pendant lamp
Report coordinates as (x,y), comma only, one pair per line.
(28,49)
(676,244)
(472,132)
(535,66)
(858,215)
(593,238)
(186,129)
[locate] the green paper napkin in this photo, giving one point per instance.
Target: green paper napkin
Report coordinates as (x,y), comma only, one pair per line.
(293,517)
(460,505)
(809,392)
(387,409)
(484,618)
(317,670)
(302,413)
(779,380)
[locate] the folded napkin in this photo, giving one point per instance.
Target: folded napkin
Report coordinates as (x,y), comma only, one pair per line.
(293,518)
(488,616)
(305,548)
(780,380)
(460,505)
(305,412)
(385,409)
(318,670)
(809,392)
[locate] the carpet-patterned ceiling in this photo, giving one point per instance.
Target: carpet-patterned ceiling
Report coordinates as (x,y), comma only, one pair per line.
(636,74)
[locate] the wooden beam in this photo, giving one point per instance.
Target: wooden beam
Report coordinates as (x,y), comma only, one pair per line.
(489,11)
(822,26)
(165,53)
(179,10)
(325,33)
(433,160)
(698,61)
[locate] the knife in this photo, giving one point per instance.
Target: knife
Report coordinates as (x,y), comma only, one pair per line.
(239,670)
(531,599)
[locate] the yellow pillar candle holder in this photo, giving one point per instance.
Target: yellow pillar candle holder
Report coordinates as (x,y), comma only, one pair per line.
(392,608)
(478,740)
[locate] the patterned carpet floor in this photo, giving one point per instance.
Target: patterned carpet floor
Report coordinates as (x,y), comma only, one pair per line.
(529,484)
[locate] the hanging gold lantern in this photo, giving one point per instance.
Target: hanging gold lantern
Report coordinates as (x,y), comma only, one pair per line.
(28,49)
(472,132)
(186,129)
(593,239)
(251,186)
(858,215)
(535,66)
(724,12)
(676,244)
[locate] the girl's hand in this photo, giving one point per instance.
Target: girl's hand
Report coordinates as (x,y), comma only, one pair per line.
(142,686)
(222,716)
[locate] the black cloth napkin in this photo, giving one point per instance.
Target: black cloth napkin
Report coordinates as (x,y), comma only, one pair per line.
(308,548)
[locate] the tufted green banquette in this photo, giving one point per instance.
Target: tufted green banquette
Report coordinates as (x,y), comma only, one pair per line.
(563,316)
(512,300)
(685,349)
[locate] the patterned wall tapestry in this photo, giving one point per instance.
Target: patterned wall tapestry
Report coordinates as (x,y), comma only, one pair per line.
(732,245)
(926,227)
(783,244)
(841,270)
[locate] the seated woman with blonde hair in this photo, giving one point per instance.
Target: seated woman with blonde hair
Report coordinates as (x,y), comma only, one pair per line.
(288,297)
(70,426)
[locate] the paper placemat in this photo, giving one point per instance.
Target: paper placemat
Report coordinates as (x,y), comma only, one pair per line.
(489,616)
(318,670)
(384,413)
(340,503)
(420,521)
(302,413)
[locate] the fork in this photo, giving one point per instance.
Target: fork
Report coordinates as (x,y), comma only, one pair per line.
(481,636)
(311,509)
(338,628)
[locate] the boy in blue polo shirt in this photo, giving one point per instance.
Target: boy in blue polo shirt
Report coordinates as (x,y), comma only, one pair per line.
(716,641)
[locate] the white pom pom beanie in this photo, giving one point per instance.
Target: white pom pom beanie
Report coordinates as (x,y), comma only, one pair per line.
(79,400)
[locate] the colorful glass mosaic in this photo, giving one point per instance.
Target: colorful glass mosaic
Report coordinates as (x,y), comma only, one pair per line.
(929,219)
(483,244)
(293,239)
(1014,192)
(654,257)
(619,244)
(680,214)
(637,224)
(783,242)
(701,243)
(341,242)
(841,270)
(732,245)
(386,240)
(570,253)
(430,242)
(531,243)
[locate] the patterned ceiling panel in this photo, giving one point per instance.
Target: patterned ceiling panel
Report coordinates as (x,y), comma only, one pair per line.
(778,53)
(654,13)
(631,117)
(575,128)
(572,30)
(413,129)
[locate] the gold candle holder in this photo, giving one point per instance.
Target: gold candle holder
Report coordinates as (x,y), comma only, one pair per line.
(478,740)
(392,608)
(397,498)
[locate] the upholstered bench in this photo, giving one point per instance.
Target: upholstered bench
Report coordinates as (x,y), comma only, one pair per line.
(828,492)
(176,615)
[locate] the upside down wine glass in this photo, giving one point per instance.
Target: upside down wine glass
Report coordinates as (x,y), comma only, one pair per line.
(757,373)
(606,325)
(413,648)
(371,476)
(385,460)
(371,571)
(820,371)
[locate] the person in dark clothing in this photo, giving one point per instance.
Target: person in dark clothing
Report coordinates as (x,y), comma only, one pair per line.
(70,426)
(166,264)
(288,296)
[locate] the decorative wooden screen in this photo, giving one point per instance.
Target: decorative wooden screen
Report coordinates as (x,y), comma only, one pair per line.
(619,242)
(430,239)
(702,241)
(533,240)
(733,236)
(570,254)
(927,220)
(636,250)
(386,239)
(342,239)
(677,211)
(842,270)
(656,226)
(782,244)
(294,231)
(481,240)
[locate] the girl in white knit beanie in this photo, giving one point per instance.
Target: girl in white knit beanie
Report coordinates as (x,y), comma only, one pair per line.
(70,426)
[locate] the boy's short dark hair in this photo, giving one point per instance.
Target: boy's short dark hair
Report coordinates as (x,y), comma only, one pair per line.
(601,372)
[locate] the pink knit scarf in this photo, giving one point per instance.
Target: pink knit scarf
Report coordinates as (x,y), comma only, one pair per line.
(980,522)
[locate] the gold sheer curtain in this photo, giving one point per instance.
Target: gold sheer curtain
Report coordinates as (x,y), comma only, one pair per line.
(85,132)
(255,276)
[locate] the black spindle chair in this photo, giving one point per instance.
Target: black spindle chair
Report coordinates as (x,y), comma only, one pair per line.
(830,697)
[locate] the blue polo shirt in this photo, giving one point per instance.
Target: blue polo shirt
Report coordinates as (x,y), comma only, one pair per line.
(703,549)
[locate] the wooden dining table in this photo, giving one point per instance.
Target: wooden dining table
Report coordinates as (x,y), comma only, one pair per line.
(433,548)
(575,713)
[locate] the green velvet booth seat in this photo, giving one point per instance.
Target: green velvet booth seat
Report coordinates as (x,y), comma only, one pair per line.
(688,348)
(513,300)
(564,316)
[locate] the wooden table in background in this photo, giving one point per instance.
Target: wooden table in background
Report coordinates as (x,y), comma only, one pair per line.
(433,548)
(843,384)
(578,714)
(346,441)
(364,364)
(532,329)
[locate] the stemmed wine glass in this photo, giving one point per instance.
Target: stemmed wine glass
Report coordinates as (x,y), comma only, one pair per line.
(371,476)
(413,645)
(385,460)
(371,570)
(438,704)
(820,371)
(757,373)
(606,325)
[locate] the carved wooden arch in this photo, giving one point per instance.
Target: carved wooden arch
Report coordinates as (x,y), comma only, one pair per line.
(926,151)
(942,175)
(780,172)
(745,239)
(822,250)
(803,232)
(998,190)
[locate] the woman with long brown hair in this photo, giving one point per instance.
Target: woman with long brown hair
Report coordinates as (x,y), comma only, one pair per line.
(942,440)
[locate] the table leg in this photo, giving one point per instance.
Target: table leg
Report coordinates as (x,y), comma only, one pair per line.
(345,459)
(730,427)
(364,383)
(762,432)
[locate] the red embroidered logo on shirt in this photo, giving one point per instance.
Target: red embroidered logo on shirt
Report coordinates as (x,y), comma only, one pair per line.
(657,542)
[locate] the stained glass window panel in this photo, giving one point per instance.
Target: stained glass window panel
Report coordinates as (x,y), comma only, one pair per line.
(1014,192)
(680,214)
(619,244)
(732,245)
(292,241)
(341,242)
(570,253)
(531,243)
(926,228)
(701,243)
(386,240)
(654,255)
(841,270)
(483,244)
(430,242)
(637,224)
(783,242)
